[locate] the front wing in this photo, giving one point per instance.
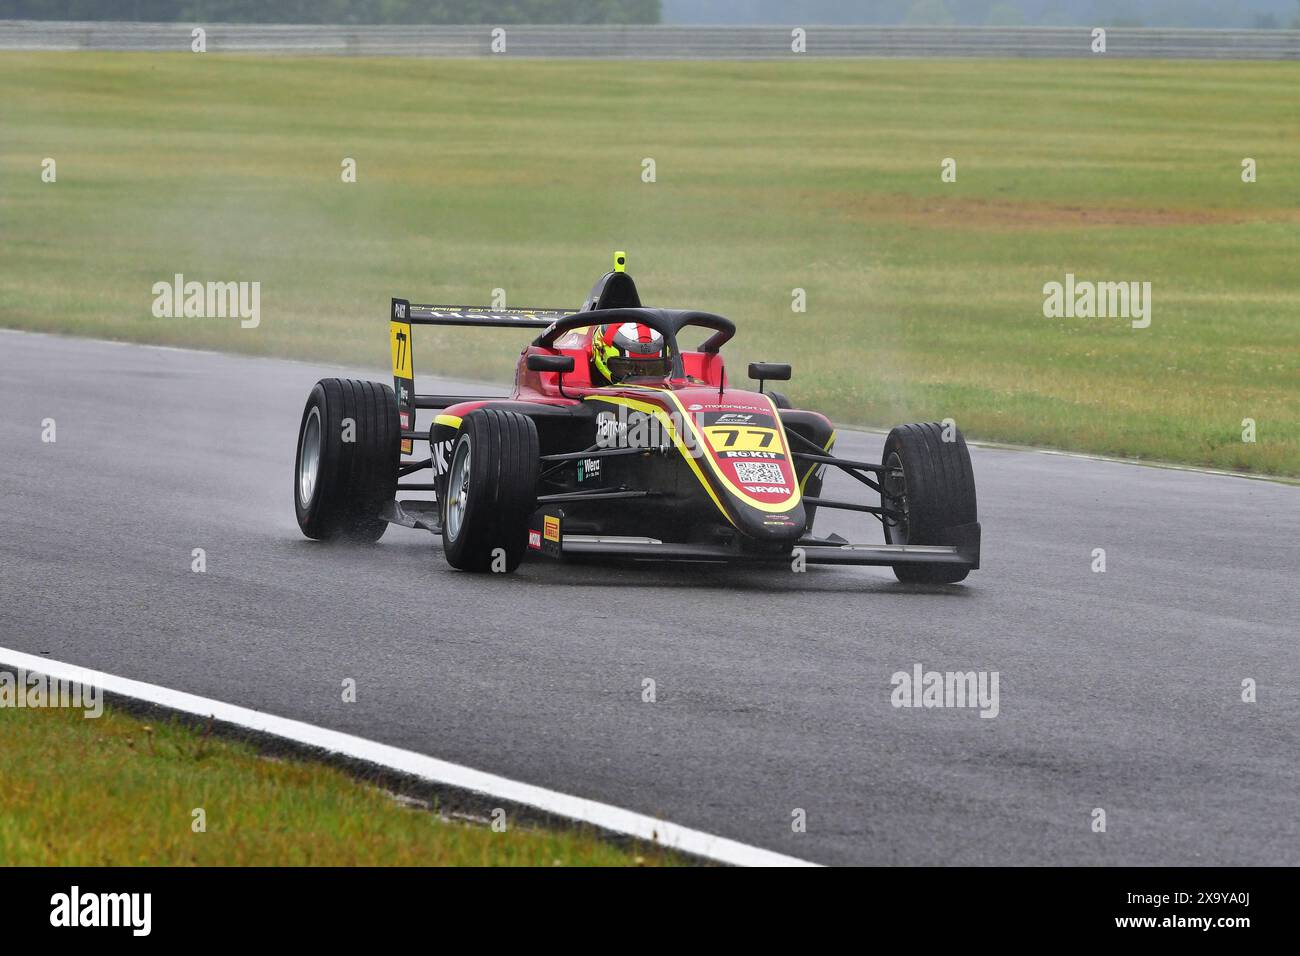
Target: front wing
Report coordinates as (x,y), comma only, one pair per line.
(962,548)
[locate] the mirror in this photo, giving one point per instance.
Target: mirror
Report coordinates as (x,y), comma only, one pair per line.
(769,372)
(551,363)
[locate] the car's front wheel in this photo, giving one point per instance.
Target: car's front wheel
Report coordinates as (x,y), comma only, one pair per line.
(929,486)
(491,491)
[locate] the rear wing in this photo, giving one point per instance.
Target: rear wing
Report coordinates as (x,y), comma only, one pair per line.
(404,315)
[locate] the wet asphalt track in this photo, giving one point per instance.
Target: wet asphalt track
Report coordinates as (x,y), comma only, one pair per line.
(1118,690)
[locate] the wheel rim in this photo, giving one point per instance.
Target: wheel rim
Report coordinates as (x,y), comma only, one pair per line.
(458,490)
(309,458)
(893,489)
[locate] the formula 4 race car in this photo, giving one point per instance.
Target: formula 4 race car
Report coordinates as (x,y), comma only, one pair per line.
(617,444)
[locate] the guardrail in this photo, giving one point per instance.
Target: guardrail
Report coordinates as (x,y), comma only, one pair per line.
(652,42)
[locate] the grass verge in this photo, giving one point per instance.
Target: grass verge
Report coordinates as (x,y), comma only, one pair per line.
(121,791)
(924,298)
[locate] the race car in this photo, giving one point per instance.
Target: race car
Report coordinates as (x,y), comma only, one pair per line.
(619,442)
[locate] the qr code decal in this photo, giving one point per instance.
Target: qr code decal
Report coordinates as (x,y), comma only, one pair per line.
(759,473)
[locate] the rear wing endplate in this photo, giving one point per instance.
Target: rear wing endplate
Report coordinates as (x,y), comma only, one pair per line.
(403,315)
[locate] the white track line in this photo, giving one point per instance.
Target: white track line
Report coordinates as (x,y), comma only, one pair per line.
(601,815)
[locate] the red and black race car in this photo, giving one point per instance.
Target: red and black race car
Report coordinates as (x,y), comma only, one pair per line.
(641,457)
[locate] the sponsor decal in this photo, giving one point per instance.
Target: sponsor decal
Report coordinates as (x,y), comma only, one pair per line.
(701,437)
(588,469)
(759,473)
(488,312)
(716,407)
(610,431)
(551,528)
(442,455)
(740,438)
(534,539)
(404,418)
(764,476)
(400,333)
(756,419)
(633,429)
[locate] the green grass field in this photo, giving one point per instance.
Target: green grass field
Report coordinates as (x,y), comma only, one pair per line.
(924,298)
(117,791)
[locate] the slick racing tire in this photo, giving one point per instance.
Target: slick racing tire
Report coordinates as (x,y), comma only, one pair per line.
(349,447)
(931,482)
(491,491)
(779,400)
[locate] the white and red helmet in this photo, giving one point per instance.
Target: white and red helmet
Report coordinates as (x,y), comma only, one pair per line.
(627,349)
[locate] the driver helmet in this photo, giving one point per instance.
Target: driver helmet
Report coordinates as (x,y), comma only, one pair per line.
(627,349)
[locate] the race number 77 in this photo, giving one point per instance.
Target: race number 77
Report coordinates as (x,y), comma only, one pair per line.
(742,439)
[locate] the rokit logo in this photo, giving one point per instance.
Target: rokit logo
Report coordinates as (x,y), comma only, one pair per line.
(535,540)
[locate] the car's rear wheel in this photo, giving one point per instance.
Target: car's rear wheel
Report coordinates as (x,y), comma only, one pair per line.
(929,484)
(491,491)
(349,447)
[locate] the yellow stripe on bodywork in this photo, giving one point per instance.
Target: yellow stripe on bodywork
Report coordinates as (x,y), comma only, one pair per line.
(808,474)
(778,508)
(666,422)
(452,420)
